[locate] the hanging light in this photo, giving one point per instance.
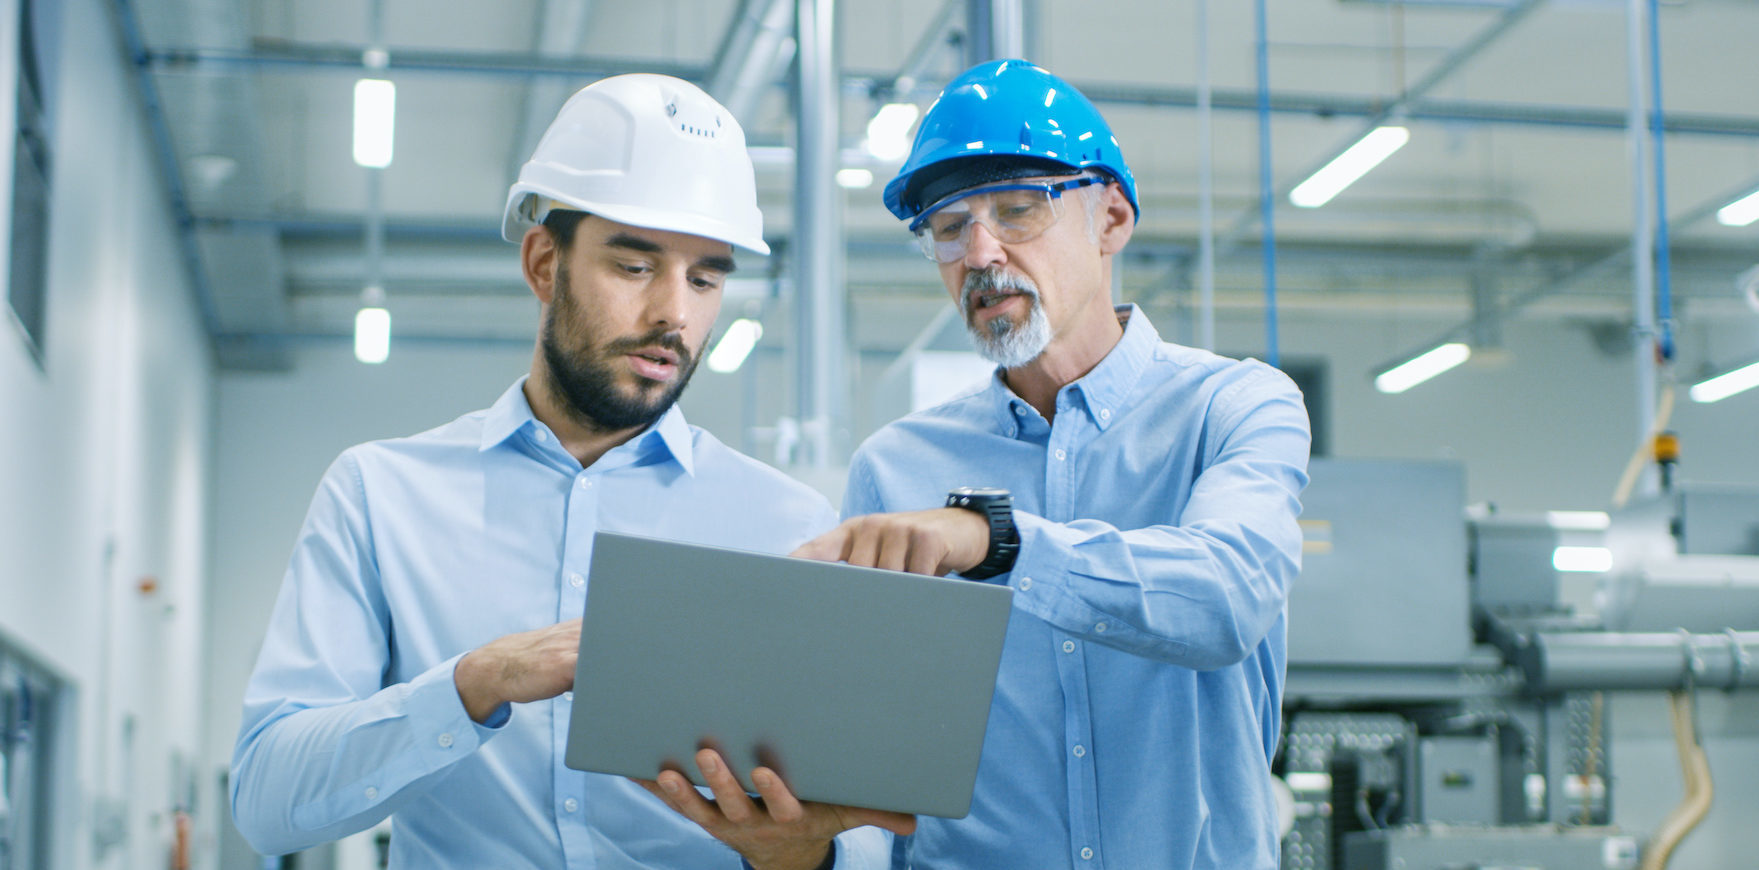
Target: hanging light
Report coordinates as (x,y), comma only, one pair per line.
(1355,162)
(1422,367)
(372,327)
(375,121)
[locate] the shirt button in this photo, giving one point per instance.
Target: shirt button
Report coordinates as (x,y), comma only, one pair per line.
(1104,414)
(1025,583)
(542,435)
(1086,854)
(585,484)
(570,805)
(1100,628)
(567,696)
(576,581)
(1068,646)
(372,794)
(1060,454)
(1080,751)
(445,741)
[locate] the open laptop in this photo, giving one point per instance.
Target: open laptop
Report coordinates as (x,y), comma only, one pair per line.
(861,687)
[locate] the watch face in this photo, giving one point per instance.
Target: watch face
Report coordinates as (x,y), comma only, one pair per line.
(979,491)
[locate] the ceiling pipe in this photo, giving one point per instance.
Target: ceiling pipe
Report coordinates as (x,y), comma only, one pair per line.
(561,29)
(757,41)
(937,36)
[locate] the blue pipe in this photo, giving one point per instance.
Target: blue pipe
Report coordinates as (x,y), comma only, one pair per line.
(1663,282)
(1266,189)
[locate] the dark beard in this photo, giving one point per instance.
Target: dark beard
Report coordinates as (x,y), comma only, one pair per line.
(584,381)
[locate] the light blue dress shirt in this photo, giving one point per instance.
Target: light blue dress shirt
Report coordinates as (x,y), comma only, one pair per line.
(1137,706)
(417,550)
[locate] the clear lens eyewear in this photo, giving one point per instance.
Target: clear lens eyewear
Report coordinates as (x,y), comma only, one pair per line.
(1013,213)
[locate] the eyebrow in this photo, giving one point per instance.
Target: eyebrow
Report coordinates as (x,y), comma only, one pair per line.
(638,244)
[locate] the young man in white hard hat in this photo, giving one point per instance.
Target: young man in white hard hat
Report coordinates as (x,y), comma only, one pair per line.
(420,657)
(1139,497)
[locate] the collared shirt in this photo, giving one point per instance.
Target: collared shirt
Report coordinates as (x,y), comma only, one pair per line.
(417,550)
(1137,706)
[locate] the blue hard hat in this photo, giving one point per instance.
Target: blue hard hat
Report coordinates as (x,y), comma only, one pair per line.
(999,120)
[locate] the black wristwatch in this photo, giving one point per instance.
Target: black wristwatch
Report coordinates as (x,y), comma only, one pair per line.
(997,507)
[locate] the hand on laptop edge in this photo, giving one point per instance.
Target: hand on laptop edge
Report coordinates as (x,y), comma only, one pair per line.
(931,542)
(778,833)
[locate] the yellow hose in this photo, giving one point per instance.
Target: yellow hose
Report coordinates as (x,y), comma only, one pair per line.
(1696,769)
(1645,450)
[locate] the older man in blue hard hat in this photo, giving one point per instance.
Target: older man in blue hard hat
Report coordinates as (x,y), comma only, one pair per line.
(1140,498)
(419,660)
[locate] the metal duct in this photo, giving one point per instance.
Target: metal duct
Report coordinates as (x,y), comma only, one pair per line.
(1572,661)
(756,43)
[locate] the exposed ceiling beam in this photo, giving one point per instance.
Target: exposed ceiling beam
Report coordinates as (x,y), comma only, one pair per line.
(524,64)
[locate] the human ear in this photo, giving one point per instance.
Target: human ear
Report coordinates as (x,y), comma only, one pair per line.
(537,257)
(1116,220)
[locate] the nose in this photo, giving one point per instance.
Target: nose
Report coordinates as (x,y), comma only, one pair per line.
(982,248)
(668,301)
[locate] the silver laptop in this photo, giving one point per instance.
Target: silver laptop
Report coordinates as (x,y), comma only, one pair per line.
(861,687)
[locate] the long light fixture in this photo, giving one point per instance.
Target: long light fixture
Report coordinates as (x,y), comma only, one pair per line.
(1587,560)
(375,120)
(1422,367)
(1727,384)
(1355,162)
(888,134)
(855,178)
(730,352)
(1741,212)
(372,327)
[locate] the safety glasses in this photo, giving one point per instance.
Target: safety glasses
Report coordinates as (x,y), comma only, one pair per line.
(1014,213)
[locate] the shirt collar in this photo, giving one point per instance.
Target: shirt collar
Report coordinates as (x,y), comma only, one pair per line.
(512,414)
(1106,388)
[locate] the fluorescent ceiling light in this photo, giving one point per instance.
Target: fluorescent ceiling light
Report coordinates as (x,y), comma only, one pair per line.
(1741,212)
(1579,521)
(372,335)
(1587,560)
(729,354)
(888,134)
(1415,371)
(375,116)
(1354,163)
(855,177)
(1724,385)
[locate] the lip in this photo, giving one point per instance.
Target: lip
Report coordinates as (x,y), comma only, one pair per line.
(653,363)
(996,309)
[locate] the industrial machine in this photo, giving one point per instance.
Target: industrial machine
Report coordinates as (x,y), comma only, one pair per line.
(1459,721)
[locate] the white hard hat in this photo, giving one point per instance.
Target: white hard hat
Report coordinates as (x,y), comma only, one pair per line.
(645,150)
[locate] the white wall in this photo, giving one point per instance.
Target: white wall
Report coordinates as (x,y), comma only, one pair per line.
(106,481)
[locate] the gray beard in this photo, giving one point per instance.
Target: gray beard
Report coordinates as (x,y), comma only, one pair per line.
(1002,341)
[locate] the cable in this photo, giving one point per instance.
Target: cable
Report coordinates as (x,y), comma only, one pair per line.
(1696,769)
(1645,450)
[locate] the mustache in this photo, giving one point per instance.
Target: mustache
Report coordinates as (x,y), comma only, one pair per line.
(994,281)
(660,338)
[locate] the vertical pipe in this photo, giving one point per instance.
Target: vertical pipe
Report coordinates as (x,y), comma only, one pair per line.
(1266,188)
(994,29)
(1205,188)
(1663,254)
(1642,236)
(818,235)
